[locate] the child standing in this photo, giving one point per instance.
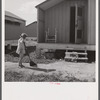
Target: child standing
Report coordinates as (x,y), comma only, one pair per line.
(21,48)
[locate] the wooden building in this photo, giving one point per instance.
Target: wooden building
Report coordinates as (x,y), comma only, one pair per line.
(14,26)
(31,29)
(73,22)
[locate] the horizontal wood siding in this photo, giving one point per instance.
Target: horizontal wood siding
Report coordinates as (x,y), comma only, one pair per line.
(59,17)
(91,21)
(41,36)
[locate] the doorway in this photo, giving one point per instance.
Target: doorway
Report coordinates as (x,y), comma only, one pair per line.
(76,24)
(72,24)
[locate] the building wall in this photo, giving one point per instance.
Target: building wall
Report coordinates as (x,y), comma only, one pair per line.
(58,17)
(31,29)
(41,26)
(91,22)
(13,30)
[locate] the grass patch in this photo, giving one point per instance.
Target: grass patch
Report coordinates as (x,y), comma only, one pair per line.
(44,77)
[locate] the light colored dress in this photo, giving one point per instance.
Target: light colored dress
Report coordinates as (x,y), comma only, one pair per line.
(21,46)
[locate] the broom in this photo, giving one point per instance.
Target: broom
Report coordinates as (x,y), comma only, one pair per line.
(31,62)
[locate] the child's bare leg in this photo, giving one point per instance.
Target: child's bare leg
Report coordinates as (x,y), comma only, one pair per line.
(20,59)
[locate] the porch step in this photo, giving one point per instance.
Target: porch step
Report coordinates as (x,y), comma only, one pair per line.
(79,53)
(84,58)
(79,58)
(75,55)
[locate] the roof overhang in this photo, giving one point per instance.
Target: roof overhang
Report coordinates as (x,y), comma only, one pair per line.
(13,19)
(48,4)
(11,15)
(35,22)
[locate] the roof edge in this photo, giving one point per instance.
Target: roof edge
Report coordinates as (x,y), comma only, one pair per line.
(16,18)
(41,3)
(12,15)
(31,23)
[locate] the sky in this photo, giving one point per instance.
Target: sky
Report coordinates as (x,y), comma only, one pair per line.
(23,8)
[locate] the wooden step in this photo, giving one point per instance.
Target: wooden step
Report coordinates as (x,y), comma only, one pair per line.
(79,53)
(70,58)
(79,58)
(69,48)
(75,54)
(82,58)
(81,49)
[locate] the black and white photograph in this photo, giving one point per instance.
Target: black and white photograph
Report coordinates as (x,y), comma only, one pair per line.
(50,41)
(50,50)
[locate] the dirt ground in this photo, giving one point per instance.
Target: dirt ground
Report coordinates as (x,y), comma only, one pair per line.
(58,71)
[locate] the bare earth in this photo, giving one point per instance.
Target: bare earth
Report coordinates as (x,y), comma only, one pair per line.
(59,71)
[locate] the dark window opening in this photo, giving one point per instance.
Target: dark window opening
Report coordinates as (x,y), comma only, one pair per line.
(72,24)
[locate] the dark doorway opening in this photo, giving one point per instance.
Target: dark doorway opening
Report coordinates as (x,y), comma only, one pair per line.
(91,56)
(60,54)
(72,24)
